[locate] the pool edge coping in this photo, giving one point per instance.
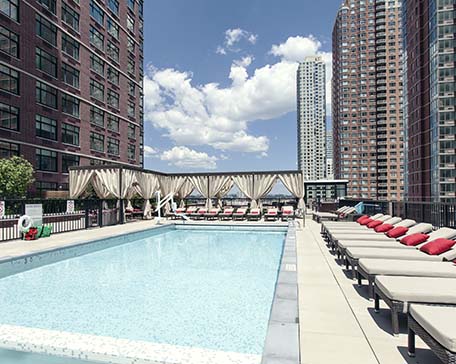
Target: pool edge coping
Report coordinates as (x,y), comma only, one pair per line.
(282,344)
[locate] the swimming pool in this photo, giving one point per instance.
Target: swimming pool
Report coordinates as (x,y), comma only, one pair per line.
(209,290)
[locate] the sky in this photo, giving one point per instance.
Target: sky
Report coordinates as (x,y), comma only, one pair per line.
(220,80)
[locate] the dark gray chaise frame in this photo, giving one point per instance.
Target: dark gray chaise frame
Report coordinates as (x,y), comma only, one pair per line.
(446,356)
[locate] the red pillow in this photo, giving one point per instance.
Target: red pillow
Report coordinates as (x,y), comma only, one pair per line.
(374,224)
(366,221)
(414,239)
(438,246)
(362,218)
(397,231)
(383,228)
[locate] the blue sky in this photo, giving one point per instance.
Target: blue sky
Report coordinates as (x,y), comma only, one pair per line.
(220,80)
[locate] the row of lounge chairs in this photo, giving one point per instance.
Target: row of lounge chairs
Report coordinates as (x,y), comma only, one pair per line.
(339,214)
(409,266)
(230,213)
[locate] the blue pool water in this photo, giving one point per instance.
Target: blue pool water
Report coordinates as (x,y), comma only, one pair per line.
(209,289)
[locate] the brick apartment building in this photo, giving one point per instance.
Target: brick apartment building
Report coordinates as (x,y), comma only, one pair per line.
(71,84)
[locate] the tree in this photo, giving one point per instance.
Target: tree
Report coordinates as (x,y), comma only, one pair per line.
(16,175)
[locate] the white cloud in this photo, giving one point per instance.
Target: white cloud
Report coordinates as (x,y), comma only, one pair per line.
(233,37)
(219,117)
(150,152)
(186,158)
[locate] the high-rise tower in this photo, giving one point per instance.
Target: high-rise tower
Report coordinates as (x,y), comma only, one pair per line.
(312,118)
(367,98)
(71,84)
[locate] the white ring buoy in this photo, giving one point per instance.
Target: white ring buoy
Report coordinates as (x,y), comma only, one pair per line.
(24,223)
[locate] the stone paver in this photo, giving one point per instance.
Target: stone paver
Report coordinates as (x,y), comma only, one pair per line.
(337,321)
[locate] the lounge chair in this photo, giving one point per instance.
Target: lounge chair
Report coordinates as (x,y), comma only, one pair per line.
(254,214)
(271,214)
(212,214)
(380,241)
(339,213)
(436,326)
(199,214)
(370,268)
(240,214)
(288,213)
(227,214)
(399,292)
(353,254)
(335,225)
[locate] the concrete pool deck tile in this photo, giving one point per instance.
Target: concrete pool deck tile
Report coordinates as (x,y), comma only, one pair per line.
(287,291)
(281,338)
(287,277)
(285,310)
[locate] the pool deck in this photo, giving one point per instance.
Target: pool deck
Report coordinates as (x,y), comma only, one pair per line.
(337,321)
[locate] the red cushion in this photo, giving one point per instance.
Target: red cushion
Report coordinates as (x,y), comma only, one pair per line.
(383,228)
(414,239)
(362,218)
(438,246)
(397,231)
(374,224)
(366,221)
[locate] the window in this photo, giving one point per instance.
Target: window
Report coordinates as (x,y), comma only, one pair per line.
(46,127)
(131,4)
(131,45)
(97,13)
(46,30)
(131,109)
(70,75)
(96,142)
(9,80)
(46,160)
(131,152)
(113,52)
(70,46)
(131,66)
(97,116)
(70,134)
(46,62)
(9,117)
(132,131)
(114,6)
(96,38)
(70,105)
(96,90)
(49,4)
(113,123)
(113,76)
(9,42)
(97,64)
(45,186)
(68,161)
(131,88)
(113,146)
(7,150)
(10,8)
(70,17)
(113,99)
(130,23)
(46,95)
(113,28)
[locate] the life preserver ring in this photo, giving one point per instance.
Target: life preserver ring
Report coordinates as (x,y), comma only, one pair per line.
(24,223)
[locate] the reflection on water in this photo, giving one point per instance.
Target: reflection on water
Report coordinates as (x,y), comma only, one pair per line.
(16,357)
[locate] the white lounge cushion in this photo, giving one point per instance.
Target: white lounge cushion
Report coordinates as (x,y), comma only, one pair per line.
(439,322)
(389,244)
(410,268)
(361,237)
(418,289)
(400,254)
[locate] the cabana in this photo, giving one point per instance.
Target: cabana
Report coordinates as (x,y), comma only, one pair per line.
(122,183)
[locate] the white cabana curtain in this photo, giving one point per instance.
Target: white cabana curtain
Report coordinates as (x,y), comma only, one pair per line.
(79,180)
(170,185)
(224,191)
(255,187)
(185,191)
(209,186)
(294,183)
(110,179)
(147,186)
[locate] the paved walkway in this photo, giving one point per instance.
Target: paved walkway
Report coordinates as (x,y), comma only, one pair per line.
(337,321)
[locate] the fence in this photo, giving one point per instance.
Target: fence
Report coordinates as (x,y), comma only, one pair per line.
(439,214)
(85,214)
